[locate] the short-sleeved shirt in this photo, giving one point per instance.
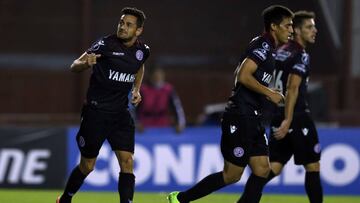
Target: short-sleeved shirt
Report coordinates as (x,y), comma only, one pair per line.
(292,58)
(244,101)
(114,73)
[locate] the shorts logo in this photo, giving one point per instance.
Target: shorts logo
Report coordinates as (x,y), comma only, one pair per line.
(81,141)
(317,148)
(238,152)
(305,131)
(232,129)
(139,55)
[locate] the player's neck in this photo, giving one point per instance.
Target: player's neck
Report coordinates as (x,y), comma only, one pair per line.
(300,41)
(130,42)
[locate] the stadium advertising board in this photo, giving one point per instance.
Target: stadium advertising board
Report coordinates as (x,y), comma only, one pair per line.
(165,161)
(32,157)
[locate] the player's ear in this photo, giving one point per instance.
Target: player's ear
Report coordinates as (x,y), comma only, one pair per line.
(273,26)
(139,30)
(297,31)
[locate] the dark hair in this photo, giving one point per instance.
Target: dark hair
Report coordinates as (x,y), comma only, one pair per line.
(139,14)
(275,14)
(300,16)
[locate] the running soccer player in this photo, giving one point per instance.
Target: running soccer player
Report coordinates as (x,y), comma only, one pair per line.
(243,140)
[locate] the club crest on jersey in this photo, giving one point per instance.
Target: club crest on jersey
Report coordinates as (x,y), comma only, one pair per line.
(139,55)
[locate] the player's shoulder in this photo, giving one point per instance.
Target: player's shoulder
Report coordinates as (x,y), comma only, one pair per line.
(142,45)
(264,41)
(104,40)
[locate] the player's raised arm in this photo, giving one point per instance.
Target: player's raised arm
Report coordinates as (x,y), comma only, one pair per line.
(84,62)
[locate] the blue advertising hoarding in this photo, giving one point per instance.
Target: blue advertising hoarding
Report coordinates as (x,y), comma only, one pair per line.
(166,161)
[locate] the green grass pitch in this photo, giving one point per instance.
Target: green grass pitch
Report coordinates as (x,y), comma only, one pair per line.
(49,196)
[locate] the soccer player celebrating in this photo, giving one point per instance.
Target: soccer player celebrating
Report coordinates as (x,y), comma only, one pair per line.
(118,66)
(293,131)
(243,139)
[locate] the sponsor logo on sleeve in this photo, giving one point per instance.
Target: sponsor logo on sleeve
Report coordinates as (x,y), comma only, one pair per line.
(282,55)
(300,67)
(260,53)
(305,58)
(97,45)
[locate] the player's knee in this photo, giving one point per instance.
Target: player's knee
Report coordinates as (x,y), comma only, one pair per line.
(230,178)
(312,167)
(126,164)
(262,170)
(86,167)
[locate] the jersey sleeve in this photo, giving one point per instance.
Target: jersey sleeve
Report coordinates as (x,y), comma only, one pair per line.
(146,52)
(301,64)
(258,51)
(97,47)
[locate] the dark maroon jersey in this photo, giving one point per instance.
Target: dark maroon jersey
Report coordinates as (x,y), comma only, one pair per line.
(244,101)
(292,58)
(114,73)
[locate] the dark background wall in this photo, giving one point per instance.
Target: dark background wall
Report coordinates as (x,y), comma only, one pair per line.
(198,43)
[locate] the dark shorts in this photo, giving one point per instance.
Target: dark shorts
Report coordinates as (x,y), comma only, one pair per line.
(96,127)
(302,141)
(242,137)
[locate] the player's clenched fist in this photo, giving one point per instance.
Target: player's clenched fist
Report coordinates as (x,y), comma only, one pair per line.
(91,59)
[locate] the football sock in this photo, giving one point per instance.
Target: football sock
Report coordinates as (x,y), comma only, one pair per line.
(126,186)
(73,184)
(206,186)
(313,187)
(253,189)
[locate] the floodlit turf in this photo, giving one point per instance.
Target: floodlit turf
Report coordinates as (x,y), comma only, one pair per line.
(49,196)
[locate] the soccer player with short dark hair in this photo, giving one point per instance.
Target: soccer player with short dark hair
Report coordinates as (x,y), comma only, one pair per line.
(243,140)
(292,130)
(117,62)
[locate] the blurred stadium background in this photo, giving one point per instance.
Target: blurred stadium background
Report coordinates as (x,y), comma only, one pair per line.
(198,43)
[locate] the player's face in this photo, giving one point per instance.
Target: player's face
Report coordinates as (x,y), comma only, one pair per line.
(284,30)
(127,28)
(308,31)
